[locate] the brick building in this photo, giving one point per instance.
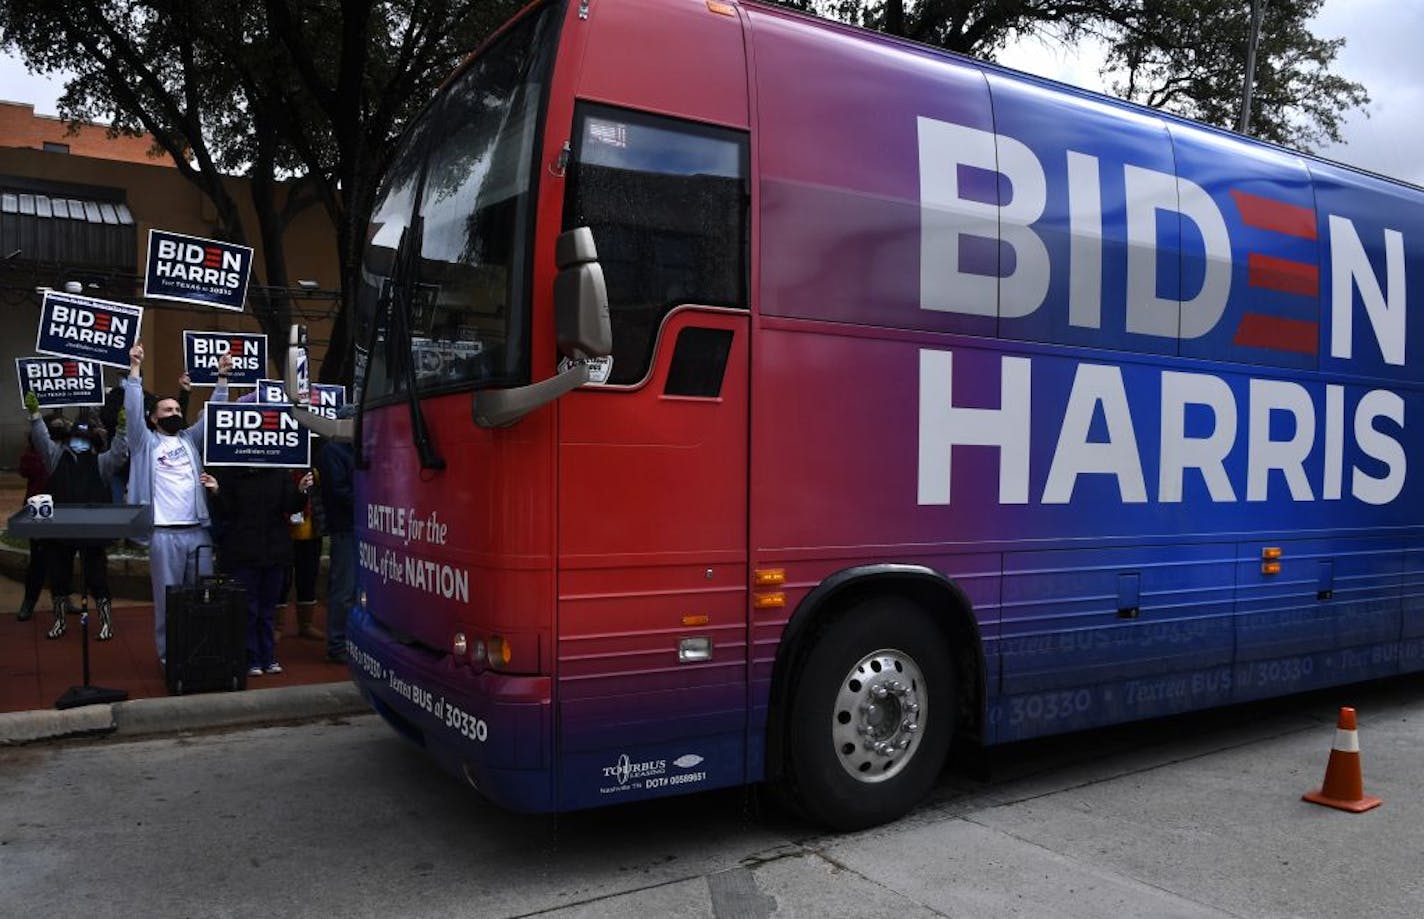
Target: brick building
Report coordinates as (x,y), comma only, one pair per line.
(77,207)
(21,127)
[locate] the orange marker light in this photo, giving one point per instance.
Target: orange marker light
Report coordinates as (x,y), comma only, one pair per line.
(1271,553)
(1270,567)
(771,600)
(769,577)
(500,652)
(720,8)
(695,620)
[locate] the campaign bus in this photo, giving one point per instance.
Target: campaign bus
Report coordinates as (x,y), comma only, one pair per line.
(746,397)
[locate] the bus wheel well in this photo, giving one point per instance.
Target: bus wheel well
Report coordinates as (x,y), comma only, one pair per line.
(836,597)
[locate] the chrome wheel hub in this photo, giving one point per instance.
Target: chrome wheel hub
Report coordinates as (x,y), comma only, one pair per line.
(878,718)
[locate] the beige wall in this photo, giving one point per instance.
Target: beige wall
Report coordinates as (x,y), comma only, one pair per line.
(160,198)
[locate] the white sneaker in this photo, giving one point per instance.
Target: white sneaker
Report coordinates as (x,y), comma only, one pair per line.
(274,667)
(254,671)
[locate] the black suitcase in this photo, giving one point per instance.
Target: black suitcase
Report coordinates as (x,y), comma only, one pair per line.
(207,635)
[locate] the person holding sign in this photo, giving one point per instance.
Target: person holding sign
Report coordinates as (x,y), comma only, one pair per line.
(165,466)
(79,473)
(36,472)
(335,465)
(32,467)
(252,504)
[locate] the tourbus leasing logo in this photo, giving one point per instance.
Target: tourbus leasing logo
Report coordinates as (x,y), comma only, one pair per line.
(625,770)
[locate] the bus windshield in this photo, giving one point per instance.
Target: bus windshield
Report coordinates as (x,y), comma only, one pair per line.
(444,282)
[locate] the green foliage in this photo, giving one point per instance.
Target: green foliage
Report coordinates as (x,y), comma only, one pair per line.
(1189,56)
(315,91)
(1183,56)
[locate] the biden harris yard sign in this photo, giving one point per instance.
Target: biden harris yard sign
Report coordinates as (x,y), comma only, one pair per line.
(191,269)
(326,398)
(87,329)
(60,382)
(254,434)
(203,350)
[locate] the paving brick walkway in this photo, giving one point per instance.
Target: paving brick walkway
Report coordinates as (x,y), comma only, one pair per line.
(35,671)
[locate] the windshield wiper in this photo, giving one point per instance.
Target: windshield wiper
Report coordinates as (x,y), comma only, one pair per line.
(401,296)
(381,312)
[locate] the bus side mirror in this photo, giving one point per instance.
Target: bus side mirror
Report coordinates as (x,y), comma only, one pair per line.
(582,326)
(581,297)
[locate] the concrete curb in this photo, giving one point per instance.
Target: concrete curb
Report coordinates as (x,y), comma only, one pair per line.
(47,724)
(143,717)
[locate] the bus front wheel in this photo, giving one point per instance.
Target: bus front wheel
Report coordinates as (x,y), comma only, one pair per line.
(871,715)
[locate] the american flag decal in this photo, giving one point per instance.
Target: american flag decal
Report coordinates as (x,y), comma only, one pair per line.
(1282,275)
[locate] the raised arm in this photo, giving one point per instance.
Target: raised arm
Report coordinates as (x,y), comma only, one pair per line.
(195,432)
(185,393)
(39,435)
(136,428)
(113,459)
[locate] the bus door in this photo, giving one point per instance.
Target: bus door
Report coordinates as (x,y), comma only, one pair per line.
(652,459)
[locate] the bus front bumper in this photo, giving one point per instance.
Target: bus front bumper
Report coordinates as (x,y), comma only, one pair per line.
(489,729)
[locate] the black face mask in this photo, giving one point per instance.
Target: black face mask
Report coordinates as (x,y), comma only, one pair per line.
(171,424)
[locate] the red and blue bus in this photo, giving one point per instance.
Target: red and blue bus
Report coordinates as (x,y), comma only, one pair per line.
(746,397)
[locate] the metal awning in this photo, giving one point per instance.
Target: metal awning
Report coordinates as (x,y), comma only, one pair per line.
(58,228)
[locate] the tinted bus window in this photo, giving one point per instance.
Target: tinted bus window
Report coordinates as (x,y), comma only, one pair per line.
(667,202)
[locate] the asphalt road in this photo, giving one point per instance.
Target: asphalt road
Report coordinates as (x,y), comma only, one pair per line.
(1196,816)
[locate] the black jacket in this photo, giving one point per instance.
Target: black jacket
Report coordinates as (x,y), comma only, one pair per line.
(250,514)
(109,412)
(336,466)
(77,479)
(105,465)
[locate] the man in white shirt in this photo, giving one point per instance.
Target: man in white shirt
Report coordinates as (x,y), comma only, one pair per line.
(166,461)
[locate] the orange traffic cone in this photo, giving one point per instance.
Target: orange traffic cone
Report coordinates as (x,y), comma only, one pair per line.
(1344,786)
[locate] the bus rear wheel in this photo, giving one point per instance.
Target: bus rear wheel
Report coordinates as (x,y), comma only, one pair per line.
(871,716)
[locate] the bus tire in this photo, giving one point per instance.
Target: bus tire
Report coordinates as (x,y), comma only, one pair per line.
(871,715)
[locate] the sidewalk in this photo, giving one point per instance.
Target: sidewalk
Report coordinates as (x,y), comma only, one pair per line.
(35,672)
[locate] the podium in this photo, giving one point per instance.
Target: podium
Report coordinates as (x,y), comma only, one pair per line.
(83,523)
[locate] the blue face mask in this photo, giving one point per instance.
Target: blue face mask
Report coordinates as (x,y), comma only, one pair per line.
(79,444)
